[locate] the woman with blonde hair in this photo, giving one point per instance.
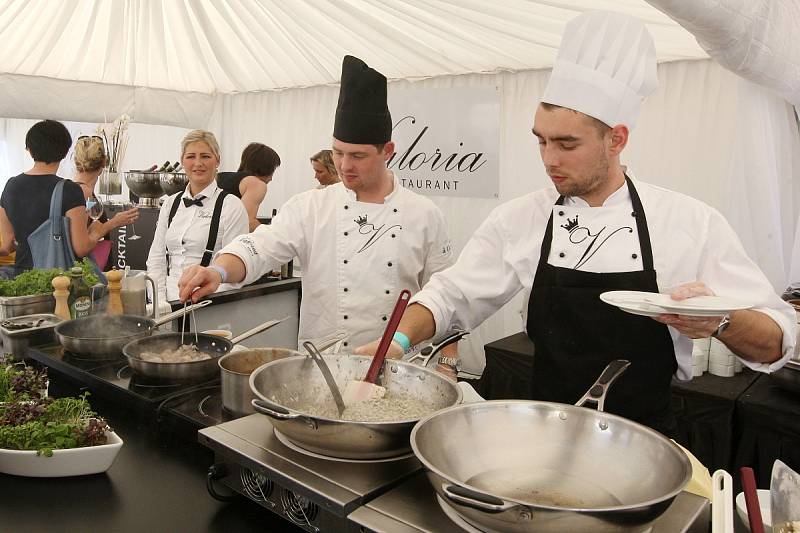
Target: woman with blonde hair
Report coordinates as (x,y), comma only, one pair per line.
(324,169)
(90,158)
(194,223)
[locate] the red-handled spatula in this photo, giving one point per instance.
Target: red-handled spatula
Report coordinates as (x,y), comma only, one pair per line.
(751,499)
(358,391)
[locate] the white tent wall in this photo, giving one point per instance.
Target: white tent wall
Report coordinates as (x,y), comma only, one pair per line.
(35,96)
(705,132)
(148,145)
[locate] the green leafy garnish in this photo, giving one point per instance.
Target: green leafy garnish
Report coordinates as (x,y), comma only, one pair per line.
(38,281)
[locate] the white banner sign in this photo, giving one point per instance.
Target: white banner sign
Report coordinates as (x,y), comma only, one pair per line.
(447,141)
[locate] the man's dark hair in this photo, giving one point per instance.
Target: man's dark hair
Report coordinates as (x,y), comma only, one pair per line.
(380,147)
(259,160)
(48,141)
(600,126)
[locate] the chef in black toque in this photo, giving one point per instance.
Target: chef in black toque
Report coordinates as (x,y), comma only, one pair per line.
(360,241)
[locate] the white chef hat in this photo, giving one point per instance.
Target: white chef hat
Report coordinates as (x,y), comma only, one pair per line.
(606,67)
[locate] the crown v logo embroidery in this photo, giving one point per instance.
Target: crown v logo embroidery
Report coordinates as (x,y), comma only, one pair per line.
(581,235)
(374,234)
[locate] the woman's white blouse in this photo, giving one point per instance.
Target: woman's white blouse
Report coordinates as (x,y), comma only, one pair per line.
(186,238)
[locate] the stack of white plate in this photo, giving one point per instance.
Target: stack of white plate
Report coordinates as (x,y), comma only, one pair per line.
(722,361)
(700,352)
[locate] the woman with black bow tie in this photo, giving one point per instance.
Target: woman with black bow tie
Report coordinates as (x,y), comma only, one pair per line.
(197,222)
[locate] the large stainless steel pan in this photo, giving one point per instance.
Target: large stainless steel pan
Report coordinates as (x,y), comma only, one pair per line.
(525,466)
(103,336)
(284,386)
(212,345)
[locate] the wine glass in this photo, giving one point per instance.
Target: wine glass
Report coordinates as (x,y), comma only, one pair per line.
(133,236)
(95,208)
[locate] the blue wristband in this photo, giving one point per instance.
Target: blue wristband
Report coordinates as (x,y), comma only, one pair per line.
(221,271)
(402,340)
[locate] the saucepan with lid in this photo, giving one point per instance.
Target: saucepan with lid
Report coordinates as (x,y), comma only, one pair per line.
(526,466)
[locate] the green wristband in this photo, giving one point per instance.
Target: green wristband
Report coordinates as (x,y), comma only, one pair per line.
(402,340)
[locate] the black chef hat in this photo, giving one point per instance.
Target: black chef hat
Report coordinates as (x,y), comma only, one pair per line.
(362,116)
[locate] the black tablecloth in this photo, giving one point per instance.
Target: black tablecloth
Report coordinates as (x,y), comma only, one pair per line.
(509,367)
(704,406)
(705,409)
(768,423)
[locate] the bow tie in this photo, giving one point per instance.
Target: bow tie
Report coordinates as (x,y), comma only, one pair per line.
(188,202)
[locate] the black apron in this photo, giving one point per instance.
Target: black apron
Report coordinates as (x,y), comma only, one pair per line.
(576,335)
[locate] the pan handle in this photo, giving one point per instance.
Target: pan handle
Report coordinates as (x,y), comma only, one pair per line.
(281,413)
(180,312)
(476,500)
(436,344)
(273,410)
(597,392)
(258,329)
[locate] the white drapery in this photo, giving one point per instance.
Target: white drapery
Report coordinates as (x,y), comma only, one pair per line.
(705,132)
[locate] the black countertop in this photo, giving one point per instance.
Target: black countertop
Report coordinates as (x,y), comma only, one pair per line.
(260,288)
(157,483)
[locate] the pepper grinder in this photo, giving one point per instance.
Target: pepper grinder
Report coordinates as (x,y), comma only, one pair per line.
(114,306)
(61,294)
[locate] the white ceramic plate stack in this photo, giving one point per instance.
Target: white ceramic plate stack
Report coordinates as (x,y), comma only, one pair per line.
(722,361)
(700,352)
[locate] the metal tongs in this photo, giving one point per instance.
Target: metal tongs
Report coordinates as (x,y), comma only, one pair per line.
(424,354)
(193,320)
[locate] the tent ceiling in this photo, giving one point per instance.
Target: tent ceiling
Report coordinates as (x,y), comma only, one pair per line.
(229,46)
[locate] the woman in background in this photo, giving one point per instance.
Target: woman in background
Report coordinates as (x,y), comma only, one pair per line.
(249,183)
(25,202)
(187,219)
(324,169)
(90,159)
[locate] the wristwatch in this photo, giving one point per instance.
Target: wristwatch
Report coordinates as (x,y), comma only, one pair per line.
(723,325)
(453,362)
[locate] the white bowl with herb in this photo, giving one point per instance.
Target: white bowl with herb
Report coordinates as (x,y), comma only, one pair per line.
(47,437)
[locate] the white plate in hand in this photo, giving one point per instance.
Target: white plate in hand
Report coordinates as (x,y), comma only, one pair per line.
(698,305)
(633,302)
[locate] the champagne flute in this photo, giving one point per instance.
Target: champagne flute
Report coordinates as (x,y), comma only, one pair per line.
(133,236)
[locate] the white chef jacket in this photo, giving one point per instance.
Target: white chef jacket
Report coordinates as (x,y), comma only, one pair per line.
(187,236)
(356,256)
(691,242)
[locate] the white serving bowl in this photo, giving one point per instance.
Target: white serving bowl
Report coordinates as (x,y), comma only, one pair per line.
(67,462)
(764,505)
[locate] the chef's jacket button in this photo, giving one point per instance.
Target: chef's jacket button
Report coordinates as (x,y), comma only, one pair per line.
(347,207)
(384,318)
(389,263)
(561,213)
(345,289)
(345,261)
(388,291)
(345,317)
(634,256)
(393,235)
(345,234)
(561,254)
(183,242)
(345,343)
(395,210)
